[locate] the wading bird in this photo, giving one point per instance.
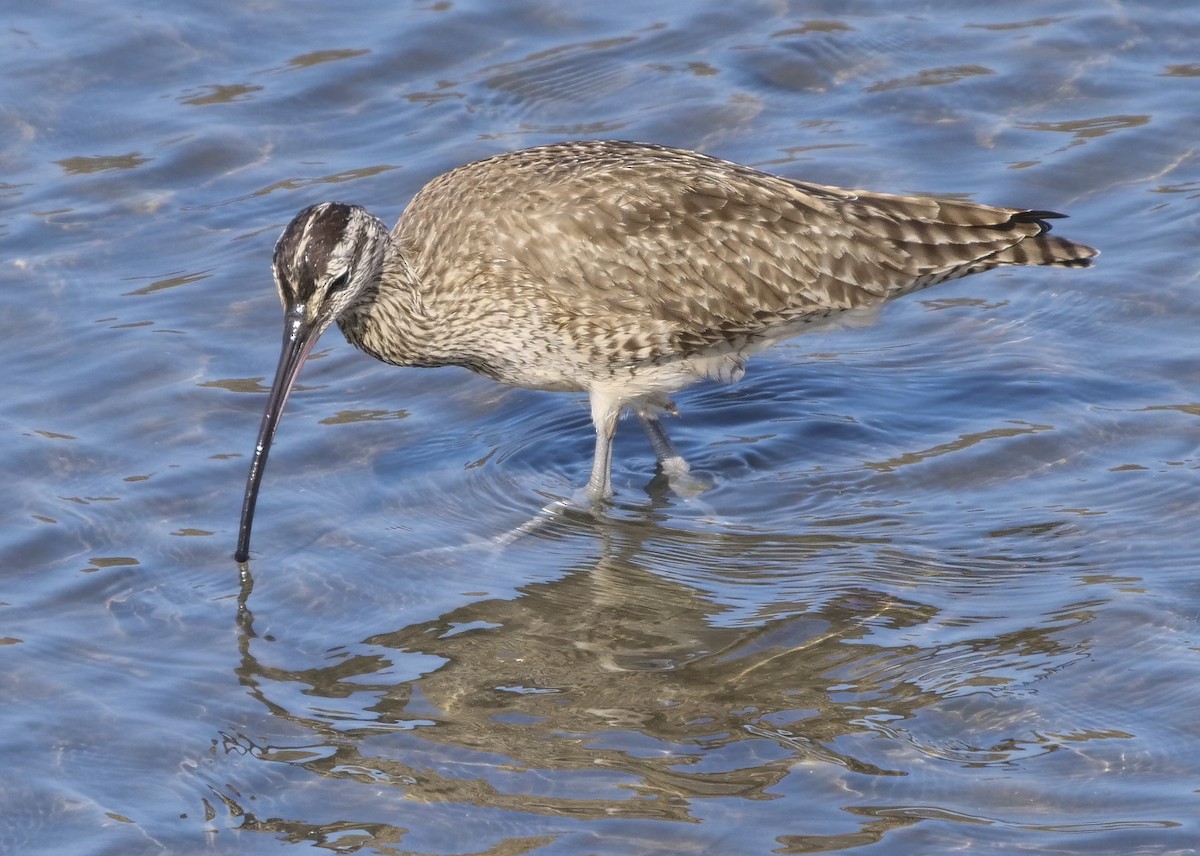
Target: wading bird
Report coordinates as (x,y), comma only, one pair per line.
(623,270)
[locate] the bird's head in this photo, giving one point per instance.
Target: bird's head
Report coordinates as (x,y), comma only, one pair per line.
(329,258)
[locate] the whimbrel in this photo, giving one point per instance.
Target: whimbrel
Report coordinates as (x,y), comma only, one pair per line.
(623,270)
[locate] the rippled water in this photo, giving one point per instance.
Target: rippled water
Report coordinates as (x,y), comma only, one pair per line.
(943,596)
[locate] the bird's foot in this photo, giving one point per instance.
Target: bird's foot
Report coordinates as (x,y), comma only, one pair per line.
(684,483)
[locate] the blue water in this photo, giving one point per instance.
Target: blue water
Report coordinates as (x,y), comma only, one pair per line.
(942,597)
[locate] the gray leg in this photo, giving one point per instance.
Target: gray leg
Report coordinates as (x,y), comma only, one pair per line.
(669,459)
(604,415)
(674,467)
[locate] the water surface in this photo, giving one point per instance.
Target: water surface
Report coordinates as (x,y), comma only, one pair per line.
(942,597)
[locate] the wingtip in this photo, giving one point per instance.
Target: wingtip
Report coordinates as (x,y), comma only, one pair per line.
(1037,218)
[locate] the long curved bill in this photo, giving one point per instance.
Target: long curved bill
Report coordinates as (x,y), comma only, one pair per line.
(299,336)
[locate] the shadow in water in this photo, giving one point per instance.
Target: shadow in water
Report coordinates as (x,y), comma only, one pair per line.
(617,692)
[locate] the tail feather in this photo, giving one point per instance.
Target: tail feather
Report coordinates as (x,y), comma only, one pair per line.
(1042,248)
(939,239)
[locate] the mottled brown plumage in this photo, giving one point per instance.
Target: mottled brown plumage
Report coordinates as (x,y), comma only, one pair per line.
(624,270)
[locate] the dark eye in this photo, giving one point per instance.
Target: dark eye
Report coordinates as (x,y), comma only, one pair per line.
(340,281)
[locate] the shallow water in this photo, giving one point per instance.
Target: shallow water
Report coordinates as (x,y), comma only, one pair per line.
(942,596)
